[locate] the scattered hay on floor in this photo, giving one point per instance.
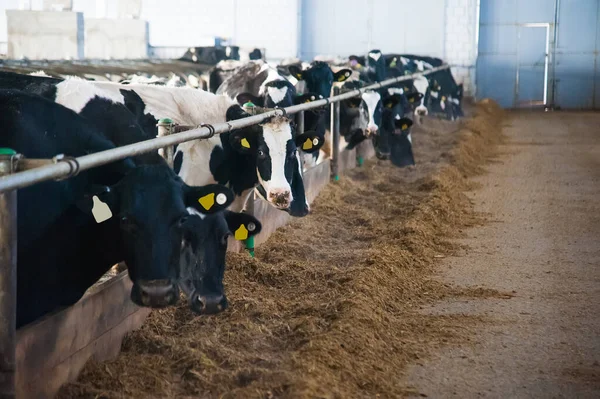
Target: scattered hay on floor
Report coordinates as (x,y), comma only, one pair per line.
(329,308)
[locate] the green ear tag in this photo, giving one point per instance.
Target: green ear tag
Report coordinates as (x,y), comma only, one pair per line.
(248,104)
(241,233)
(207,201)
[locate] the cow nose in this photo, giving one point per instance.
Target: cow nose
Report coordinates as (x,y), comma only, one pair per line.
(281,198)
(208,304)
(154,293)
(371,129)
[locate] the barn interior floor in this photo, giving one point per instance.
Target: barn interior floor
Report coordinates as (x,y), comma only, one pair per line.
(543,247)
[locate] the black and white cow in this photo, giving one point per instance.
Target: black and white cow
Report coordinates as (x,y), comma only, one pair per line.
(262,84)
(72,231)
(119,126)
(264,156)
(442,94)
(271,163)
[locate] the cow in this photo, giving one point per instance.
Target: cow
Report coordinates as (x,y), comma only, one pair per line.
(263,156)
(213,160)
(72,231)
(262,84)
(443,95)
(104,109)
(318,78)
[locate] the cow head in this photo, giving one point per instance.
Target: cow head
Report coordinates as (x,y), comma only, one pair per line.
(372,101)
(273,147)
(401,153)
(149,208)
(381,140)
(319,77)
(203,257)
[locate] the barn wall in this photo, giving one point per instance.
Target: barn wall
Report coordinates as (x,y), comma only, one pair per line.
(357,26)
(116,38)
(439,28)
(270,24)
(461,41)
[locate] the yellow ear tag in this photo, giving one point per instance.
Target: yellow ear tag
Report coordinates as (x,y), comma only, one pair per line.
(443,98)
(389,105)
(245,143)
(404,127)
(411,100)
(100,210)
(307,144)
(207,201)
(241,233)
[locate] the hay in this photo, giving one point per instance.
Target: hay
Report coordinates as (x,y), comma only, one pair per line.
(330,306)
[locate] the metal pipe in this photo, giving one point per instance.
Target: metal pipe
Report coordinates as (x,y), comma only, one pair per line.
(165,128)
(62,169)
(8,282)
(335,134)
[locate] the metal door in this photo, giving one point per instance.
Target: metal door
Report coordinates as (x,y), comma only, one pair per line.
(532,64)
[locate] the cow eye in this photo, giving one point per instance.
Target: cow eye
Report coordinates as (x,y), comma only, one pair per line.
(261,154)
(224,239)
(182,220)
(292,155)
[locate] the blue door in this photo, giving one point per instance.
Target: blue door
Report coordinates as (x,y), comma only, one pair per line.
(512,53)
(532,66)
(577,70)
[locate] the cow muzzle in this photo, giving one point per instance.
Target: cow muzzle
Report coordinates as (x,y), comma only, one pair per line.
(154,293)
(208,304)
(371,130)
(280,198)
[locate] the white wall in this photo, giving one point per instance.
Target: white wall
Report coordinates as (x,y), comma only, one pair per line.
(461,40)
(345,27)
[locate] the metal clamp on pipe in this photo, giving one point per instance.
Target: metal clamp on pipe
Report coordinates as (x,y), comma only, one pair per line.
(73,163)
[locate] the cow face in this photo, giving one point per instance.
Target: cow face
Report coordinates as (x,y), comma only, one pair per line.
(319,77)
(203,257)
(372,100)
(354,118)
(273,148)
(149,205)
(401,153)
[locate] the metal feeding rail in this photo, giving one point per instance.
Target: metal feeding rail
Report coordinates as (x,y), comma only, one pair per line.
(18,172)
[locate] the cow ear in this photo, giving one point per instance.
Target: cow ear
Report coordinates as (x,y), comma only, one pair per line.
(307,98)
(342,75)
(242,225)
(391,101)
(243,140)
(296,72)
(244,98)
(208,199)
(99,201)
(235,112)
(309,142)
(403,124)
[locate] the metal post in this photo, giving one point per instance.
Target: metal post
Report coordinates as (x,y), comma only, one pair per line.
(165,128)
(8,279)
(300,120)
(335,134)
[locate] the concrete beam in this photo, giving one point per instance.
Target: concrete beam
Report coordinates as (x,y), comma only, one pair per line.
(45,34)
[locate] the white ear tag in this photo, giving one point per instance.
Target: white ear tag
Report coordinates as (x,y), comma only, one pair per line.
(100,210)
